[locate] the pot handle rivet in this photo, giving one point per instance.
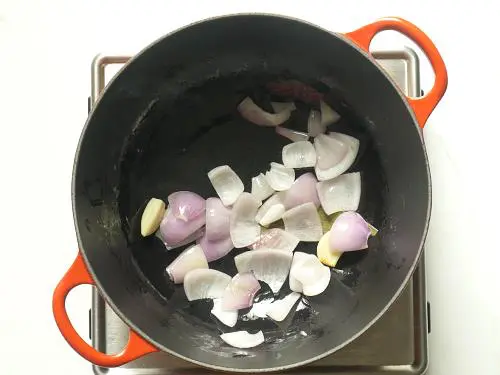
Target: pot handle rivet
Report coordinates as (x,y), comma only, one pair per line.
(78,275)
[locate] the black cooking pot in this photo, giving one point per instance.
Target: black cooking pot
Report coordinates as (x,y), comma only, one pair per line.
(169,117)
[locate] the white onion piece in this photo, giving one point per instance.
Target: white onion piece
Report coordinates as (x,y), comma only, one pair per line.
(299,155)
(274,213)
(217,219)
(328,115)
(244,229)
(340,194)
(311,274)
(190,259)
(302,191)
(226,183)
(260,188)
(253,113)
(193,237)
(177,231)
(243,339)
(280,107)
(270,266)
(186,205)
(336,152)
(276,198)
(279,309)
(279,177)
(276,239)
(240,291)
(298,258)
(303,222)
(205,283)
(216,249)
(314,124)
(349,232)
(293,135)
(229,318)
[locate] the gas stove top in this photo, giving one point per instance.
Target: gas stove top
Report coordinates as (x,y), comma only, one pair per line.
(396,344)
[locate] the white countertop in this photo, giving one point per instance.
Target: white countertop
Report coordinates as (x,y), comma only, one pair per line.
(45,52)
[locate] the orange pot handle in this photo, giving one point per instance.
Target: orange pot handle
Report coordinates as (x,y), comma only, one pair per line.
(422,106)
(78,275)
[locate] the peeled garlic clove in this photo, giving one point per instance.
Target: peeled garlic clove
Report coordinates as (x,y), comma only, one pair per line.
(274,213)
(279,309)
(276,239)
(293,135)
(243,339)
(270,266)
(314,276)
(340,194)
(217,220)
(325,255)
(175,231)
(152,216)
(253,113)
(303,222)
(260,188)
(349,232)
(216,249)
(298,258)
(299,155)
(244,229)
(336,153)
(186,205)
(373,230)
(275,199)
(190,259)
(226,183)
(229,318)
(328,115)
(280,177)
(239,293)
(302,191)
(314,124)
(205,283)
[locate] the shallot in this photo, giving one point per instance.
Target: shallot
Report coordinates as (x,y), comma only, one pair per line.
(293,135)
(274,213)
(226,183)
(215,249)
(260,188)
(176,230)
(217,220)
(310,275)
(204,283)
(277,239)
(280,107)
(299,155)
(190,259)
(349,232)
(229,318)
(340,194)
(240,291)
(244,230)
(276,198)
(336,152)
(280,177)
(314,124)
(302,191)
(328,115)
(253,113)
(279,309)
(303,222)
(243,339)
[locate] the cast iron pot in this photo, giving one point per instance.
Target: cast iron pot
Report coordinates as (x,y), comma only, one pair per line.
(170,116)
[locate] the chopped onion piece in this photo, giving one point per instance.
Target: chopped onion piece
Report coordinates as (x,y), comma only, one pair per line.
(253,113)
(340,194)
(190,259)
(280,177)
(299,155)
(244,229)
(325,254)
(349,232)
(216,249)
(336,152)
(270,266)
(276,198)
(328,115)
(240,291)
(176,231)
(205,283)
(274,213)
(314,124)
(193,237)
(280,107)
(152,216)
(303,222)
(226,183)
(229,318)
(186,205)
(279,309)
(293,135)
(302,191)
(311,274)
(217,220)
(276,239)
(260,188)
(298,258)
(243,339)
